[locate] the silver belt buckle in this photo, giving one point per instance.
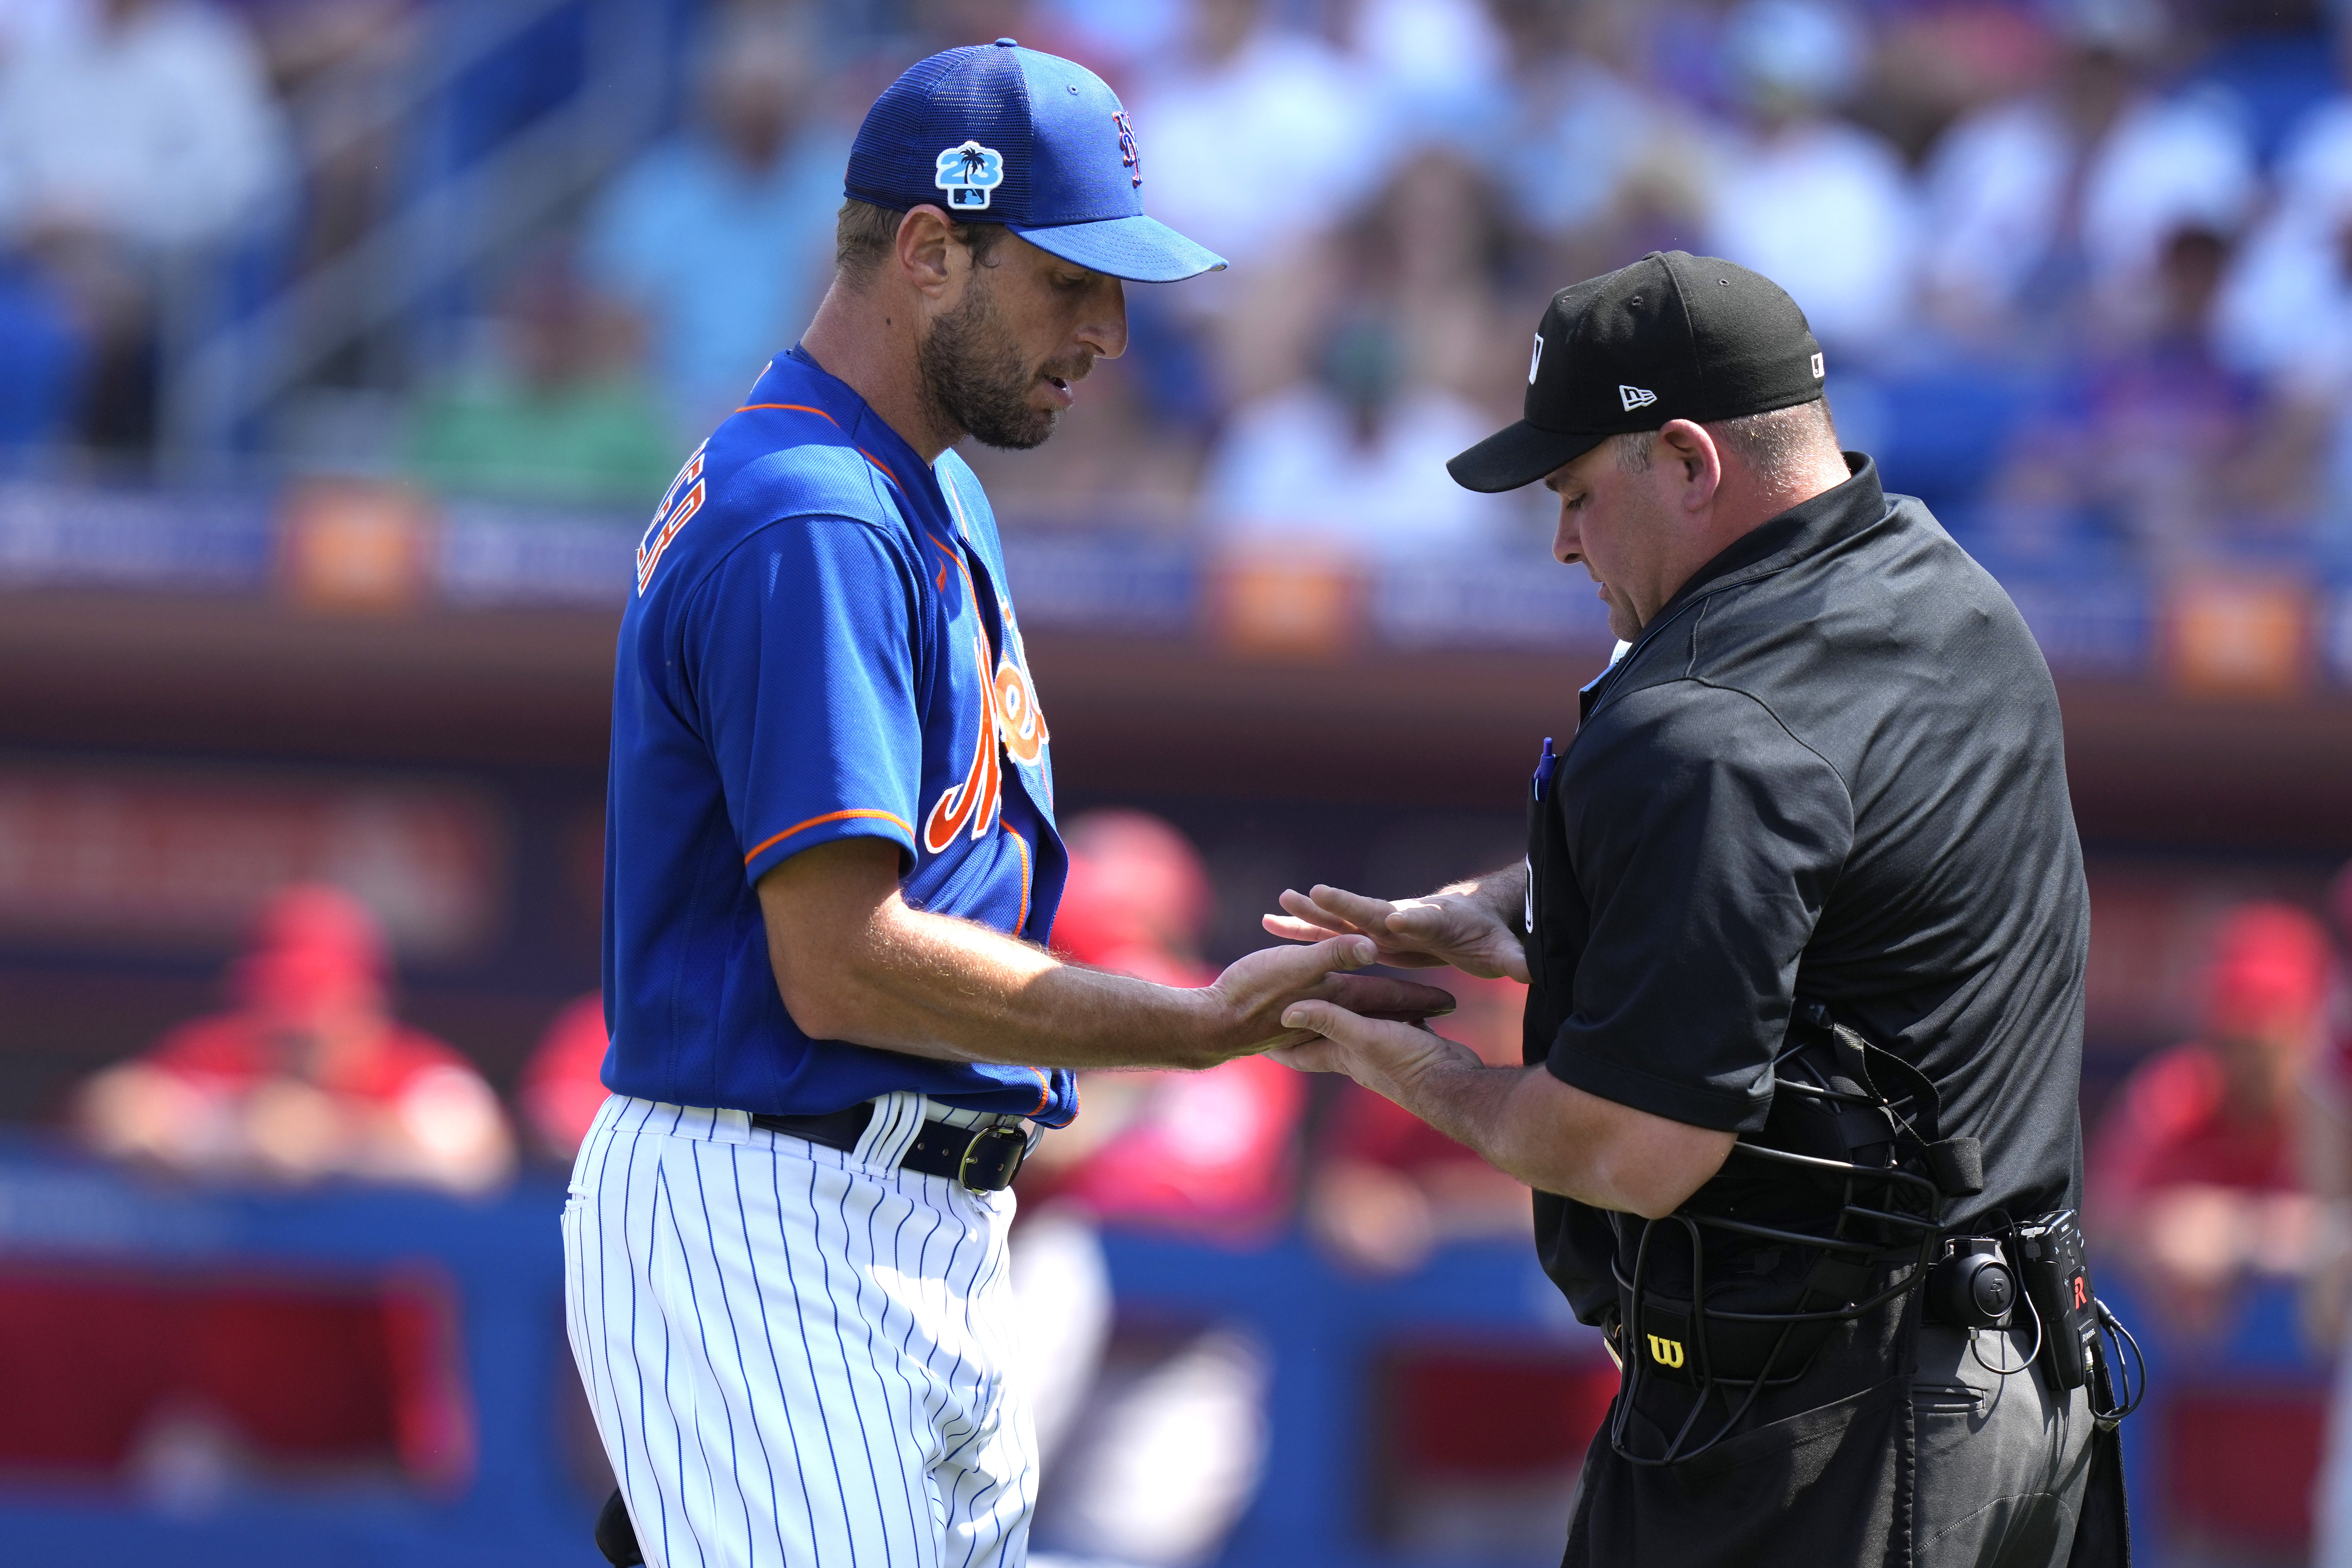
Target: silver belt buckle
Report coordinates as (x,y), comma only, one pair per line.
(993,1158)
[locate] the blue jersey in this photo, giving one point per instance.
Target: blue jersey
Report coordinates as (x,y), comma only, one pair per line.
(819,644)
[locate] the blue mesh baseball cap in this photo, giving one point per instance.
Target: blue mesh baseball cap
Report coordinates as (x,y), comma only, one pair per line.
(997,133)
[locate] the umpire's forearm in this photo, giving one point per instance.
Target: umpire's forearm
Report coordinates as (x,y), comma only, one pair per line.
(1524,1122)
(1502,892)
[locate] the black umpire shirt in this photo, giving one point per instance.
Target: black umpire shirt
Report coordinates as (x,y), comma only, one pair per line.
(1831,768)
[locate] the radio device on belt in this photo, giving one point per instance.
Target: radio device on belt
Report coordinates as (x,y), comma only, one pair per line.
(2077,1328)
(1834,1209)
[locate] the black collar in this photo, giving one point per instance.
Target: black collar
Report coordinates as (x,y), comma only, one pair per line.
(1805,528)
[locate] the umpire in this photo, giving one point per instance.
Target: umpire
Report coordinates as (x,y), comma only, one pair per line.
(1804,888)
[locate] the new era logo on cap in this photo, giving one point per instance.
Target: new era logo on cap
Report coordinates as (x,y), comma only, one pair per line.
(1636,396)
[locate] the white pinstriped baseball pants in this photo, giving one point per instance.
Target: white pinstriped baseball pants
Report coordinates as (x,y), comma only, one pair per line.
(796,1355)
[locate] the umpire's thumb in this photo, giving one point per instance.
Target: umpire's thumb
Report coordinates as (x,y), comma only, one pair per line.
(1327,1019)
(1322,1050)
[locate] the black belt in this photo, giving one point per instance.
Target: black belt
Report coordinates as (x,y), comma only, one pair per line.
(984,1159)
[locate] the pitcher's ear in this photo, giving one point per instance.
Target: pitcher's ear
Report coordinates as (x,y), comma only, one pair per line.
(922,248)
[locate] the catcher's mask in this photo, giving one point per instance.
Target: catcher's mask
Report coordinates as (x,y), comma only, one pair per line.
(1832,1209)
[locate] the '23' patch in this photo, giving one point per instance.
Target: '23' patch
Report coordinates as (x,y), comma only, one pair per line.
(968,174)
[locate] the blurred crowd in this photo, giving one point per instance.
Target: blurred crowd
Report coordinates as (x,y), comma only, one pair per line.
(2085,264)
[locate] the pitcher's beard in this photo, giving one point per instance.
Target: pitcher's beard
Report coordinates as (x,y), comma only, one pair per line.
(976,380)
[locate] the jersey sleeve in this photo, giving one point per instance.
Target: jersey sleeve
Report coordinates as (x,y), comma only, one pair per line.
(1706,840)
(801,667)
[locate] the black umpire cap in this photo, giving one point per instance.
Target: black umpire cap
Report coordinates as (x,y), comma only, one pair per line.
(1673,336)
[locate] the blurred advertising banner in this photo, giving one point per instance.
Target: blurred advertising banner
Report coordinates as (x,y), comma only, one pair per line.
(1302,604)
(2240,635)
(118,856)
(375,549)
(356,548)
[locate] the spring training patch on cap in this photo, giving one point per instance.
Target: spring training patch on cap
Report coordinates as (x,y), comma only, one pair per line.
(969,174)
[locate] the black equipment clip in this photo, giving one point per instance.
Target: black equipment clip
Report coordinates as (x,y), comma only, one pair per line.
(1971,1287)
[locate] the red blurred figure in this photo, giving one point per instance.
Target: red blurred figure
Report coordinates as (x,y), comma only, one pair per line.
(309,1076)
(1388,1187)
(1174,1441)
(1137,899)
(2195,1174)
(563,1084)
(1207,1152)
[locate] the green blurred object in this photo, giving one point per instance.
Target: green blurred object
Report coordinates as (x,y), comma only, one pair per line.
(601,441)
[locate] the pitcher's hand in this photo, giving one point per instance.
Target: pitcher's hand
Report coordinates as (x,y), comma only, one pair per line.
(1460,927)
(1254,991)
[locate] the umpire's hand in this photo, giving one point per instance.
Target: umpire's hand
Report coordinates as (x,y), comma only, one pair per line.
(1386,1055)
(1462,926)
(1254,991)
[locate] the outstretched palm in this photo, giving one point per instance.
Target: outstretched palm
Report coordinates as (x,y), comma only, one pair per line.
(1458,927)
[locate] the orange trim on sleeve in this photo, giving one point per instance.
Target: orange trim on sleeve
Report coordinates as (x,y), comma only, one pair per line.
(795,407)
(1044,1092)
(804,408)
(1022,845)
(767,844)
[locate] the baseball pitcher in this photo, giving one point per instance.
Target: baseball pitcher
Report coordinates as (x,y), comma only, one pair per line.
(830,866)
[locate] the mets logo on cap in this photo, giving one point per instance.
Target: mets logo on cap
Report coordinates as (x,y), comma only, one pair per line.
(969,174)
